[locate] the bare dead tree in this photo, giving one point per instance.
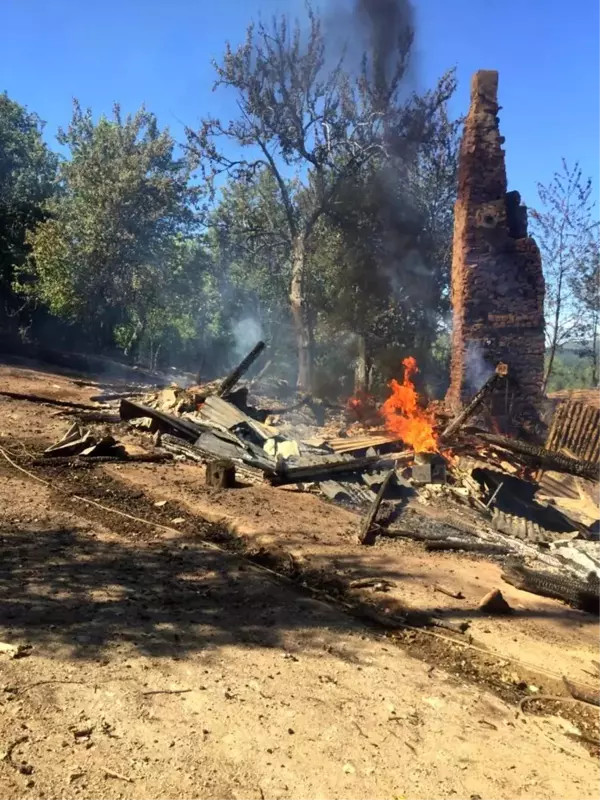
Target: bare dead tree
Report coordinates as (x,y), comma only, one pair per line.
(565,229)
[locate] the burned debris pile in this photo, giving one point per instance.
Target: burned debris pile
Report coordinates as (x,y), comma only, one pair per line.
(407,470)
(467,490)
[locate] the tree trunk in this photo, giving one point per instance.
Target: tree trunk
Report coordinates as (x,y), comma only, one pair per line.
(554,343)
(300,314)
(132,346)
(362,367)
(595,351)
(557,310)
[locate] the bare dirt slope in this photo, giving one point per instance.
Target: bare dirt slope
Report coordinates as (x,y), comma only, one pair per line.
(158,666)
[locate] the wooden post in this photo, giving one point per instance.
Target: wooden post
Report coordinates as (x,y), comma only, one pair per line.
(220,474)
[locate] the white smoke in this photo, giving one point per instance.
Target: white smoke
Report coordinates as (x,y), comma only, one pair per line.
(478,370)
(247,332)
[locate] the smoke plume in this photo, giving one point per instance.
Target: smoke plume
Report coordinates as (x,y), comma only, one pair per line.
(389,30)
(246,332)
(379,29)
(478,369)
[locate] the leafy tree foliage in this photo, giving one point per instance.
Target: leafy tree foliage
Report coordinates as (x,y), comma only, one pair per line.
(27,180)
(113,249)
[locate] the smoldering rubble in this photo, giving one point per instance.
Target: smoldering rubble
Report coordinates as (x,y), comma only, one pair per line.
(514,498)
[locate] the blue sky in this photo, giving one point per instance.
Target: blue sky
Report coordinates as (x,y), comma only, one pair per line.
(158,52)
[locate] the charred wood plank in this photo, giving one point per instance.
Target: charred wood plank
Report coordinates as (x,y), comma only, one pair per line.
(367,533)
(49,401)
(544,458)
(244,365)
(584,595)
(476,401)
(179,447)
(166,422)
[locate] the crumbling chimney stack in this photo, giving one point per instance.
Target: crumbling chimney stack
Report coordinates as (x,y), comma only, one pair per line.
(497,280)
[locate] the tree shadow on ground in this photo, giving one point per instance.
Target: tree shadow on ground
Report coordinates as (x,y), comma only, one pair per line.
(167,598)
(63,586)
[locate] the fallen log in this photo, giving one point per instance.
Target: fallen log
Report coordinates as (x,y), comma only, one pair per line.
(367,533)
(547,459)
(167,422)
(577,593)
(476,401)
(244,365)
(49,401)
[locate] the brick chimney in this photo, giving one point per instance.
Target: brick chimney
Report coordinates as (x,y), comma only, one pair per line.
(497,281)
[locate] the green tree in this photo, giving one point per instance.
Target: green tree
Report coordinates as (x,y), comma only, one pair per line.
(27,181)
(113,244)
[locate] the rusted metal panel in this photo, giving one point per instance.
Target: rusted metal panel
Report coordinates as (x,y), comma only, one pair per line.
(575,431)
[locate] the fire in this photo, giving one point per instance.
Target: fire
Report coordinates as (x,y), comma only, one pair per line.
(403,415)
(362,408)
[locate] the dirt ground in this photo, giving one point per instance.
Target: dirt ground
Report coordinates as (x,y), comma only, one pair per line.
(159,663)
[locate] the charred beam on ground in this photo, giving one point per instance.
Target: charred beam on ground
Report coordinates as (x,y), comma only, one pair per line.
(234,376)
(367,532)
(90,461)
(469,546)
(88,416)
(50,401)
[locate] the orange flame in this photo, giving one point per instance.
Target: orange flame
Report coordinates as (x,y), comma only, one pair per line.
(403,415)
